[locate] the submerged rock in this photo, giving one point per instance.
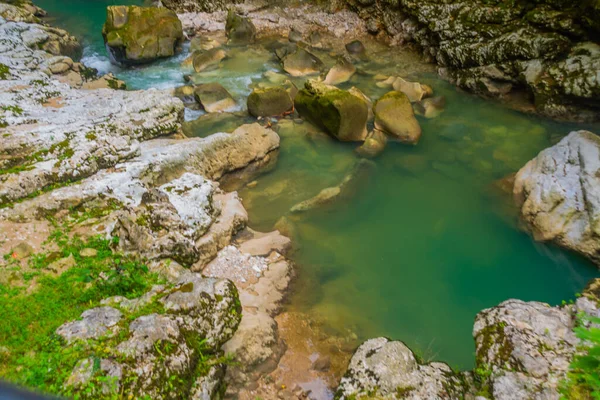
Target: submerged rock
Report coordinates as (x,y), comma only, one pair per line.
(239,30)
(137,35)
(208,59)
(269,102)
(212,123)
(341,72)
(394,115)
(213,97)
(374,144)
(415,91)
(301,63)
(348,188)
(340,113)
(431,107)
(355,47)
(558,194)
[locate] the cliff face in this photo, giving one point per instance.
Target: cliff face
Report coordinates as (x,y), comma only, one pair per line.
(548,48)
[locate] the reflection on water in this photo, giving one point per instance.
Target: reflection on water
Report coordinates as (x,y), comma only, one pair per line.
(427,242)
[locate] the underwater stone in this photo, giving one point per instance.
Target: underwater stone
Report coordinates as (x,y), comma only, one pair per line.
(137,35)
(213,97)
(269,102)
(301,63)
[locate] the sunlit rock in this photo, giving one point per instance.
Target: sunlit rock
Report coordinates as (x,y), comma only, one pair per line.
(394,115)
(136,35)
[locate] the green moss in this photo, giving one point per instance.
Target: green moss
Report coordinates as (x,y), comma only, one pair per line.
(15,110)
(36,357)
(4,71)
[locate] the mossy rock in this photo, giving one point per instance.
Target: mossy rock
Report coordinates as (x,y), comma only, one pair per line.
(394,115)
(205,60)
(340,113)
(239,30)
(269,102)
(137,35)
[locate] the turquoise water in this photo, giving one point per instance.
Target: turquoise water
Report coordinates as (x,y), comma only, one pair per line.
(427,241)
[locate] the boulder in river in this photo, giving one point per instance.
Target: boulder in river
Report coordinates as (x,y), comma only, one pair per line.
(137,35)
(301,63)
(269,102)
(340,113)
(341,72)
(355,47)
(430,107)
(394,115)
(208,59)
(213,97)
(558,194)
(239,30)
(413,90)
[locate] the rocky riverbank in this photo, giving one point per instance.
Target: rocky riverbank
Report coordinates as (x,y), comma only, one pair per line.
(549,50)
(162,290)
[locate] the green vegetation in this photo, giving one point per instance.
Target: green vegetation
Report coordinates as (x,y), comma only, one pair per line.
(31,353)
(583,380)
(15,110)
(4,71)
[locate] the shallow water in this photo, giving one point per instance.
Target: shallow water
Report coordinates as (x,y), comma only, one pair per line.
(426,242)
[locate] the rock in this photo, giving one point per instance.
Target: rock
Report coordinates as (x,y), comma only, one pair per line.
(431,107)
(394,115)
(341,72)
(185,94)
(536,337)
(374,145)
(136,35)
(21,251)
(213,97)
(321,364)
(301,63)
(341,114)
(413,90)
(558,194)
(269,102)
(169,220)
(262,244)
(239,30)
(212,123)
(197,6)
(389,369)
(358,93)
(355,47)
(548,49)
(348,188)
(88,253)
(207,60)
(59,266)
(295,36)
(200,314)
(94,324)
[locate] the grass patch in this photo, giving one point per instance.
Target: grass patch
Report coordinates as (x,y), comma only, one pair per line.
(583,379)
(31,354)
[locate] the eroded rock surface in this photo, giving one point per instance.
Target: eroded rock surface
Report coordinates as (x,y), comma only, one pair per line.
(549,49)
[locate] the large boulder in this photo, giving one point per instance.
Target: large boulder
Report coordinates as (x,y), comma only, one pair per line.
(269,102)
(394,115)
(386,369)
(558,194)
(239,30)
(137,35)
(340,113)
